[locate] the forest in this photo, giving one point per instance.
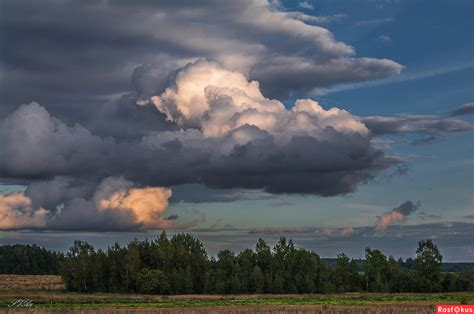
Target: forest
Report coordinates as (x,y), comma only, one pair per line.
(181,265)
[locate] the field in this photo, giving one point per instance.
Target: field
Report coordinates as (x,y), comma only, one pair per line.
(47,295)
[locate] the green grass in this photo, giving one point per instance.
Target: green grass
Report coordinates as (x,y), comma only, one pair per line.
(97,301)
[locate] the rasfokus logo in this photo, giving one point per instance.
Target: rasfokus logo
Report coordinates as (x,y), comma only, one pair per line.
(454,308)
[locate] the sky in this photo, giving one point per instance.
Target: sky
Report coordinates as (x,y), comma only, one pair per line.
(338,124)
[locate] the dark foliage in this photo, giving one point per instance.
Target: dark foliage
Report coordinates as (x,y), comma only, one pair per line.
(28,260)
(180,265)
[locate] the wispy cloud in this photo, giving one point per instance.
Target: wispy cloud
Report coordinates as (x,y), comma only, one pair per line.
(401,78)
(374,22)
(306,5)
(466,109)
(384,39)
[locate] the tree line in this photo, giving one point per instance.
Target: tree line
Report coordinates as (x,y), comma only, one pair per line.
(181,265)
(29,260)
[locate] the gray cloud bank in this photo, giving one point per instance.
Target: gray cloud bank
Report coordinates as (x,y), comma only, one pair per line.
(185,121)
(213,127)
(225,135)
(82,52)
(428,127)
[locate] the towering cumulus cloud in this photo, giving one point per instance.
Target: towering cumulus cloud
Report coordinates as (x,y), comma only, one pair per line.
(253,142)
(219,130)
(218,102)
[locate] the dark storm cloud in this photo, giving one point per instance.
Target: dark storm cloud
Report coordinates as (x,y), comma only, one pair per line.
(196,132)
(123,120)
(304,165)
(74,55)
(178,120)
(198,193)
(38,146)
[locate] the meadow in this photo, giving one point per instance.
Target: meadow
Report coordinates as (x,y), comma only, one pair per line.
(47,294)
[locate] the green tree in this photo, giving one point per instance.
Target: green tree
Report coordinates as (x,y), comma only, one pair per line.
(148,281)
(265,263)
(257,280)
(428,266)
(77,270)
(375,267)
(345,274)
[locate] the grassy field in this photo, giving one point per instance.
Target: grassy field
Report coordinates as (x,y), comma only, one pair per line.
(30,282)
(47,295)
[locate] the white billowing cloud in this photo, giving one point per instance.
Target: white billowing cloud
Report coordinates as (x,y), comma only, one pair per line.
(218,102)
(242,139)
(147,204)
(188,100)
(16,212)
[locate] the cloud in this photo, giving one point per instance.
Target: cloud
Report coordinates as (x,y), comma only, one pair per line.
(384,39)
(146,204)
(397,215)
(34,144)
(257,141)
(198,193)
(283,73)
(317,20)
(218,102)
(215,128)
(114,205)
(305,5)
(16,213)
(375,22)
(454,240)
(108,40)
(325,232)
(381,125)
(404,77)
(424,215)
(465,109)
(429,126)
